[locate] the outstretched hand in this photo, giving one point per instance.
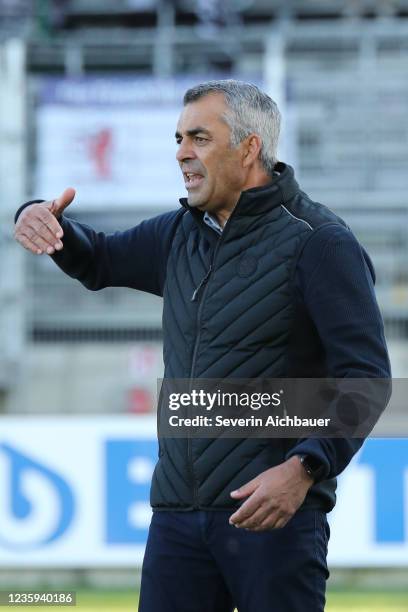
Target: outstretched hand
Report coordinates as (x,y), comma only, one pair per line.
(272,497)
(37,228)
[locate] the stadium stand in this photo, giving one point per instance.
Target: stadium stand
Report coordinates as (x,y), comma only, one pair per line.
(345,72)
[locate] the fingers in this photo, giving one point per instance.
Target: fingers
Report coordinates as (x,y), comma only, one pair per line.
(51,237)
(38,230)
(272,522)
(29,245)
(41,244)
(265,519)
(43,231)
(247,509)
(246,489)
(60,204)
(50,223)
(281,522)
(254,520)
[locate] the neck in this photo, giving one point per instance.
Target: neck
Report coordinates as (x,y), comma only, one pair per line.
(261,179)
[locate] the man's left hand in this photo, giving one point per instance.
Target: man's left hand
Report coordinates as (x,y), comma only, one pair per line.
(273,496)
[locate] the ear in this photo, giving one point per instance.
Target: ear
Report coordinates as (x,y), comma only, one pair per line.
(252,148)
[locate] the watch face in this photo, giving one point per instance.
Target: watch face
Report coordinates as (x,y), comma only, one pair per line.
(313,466)
(313,463)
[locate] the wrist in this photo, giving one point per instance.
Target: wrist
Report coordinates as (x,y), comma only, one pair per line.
(297,466)
(312,466)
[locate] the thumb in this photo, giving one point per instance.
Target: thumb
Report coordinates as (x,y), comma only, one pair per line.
(246,489)
(60,204)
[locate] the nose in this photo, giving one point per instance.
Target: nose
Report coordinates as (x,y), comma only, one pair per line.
(185,151)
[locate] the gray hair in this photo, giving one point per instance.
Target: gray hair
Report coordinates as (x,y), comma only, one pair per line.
(250,111)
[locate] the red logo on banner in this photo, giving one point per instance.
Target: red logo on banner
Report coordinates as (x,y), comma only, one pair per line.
(100,152)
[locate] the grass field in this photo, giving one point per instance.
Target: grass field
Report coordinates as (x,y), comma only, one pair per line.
(352,601)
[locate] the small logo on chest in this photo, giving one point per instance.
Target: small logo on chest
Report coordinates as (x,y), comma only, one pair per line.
(247,265)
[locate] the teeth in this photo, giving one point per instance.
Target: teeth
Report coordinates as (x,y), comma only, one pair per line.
(190,175)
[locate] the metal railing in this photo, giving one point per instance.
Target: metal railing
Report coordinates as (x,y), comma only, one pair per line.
(348,89)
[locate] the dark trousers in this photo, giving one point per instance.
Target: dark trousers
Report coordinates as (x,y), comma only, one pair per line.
(197,562)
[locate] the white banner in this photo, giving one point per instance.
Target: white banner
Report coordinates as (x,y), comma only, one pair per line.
(112,157)
(74,493)
(110,138)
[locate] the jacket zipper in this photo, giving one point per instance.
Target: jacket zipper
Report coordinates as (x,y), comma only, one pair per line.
(203,285)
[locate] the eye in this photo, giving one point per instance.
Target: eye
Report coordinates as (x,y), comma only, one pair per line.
(200,139)
(178,140)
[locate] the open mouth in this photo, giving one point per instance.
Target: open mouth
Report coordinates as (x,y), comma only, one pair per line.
(192,180)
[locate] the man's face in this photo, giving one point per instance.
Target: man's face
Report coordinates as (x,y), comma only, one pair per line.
(212,169)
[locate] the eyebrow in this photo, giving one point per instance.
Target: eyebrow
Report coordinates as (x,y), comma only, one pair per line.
(194,132)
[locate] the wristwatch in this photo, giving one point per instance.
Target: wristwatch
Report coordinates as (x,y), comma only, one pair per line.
(312,466)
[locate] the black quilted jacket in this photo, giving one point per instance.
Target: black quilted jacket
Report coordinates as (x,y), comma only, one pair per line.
(285,291)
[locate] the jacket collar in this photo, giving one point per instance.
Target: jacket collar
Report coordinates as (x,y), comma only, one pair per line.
(259,200)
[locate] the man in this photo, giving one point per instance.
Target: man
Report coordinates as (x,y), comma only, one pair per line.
(257,281)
